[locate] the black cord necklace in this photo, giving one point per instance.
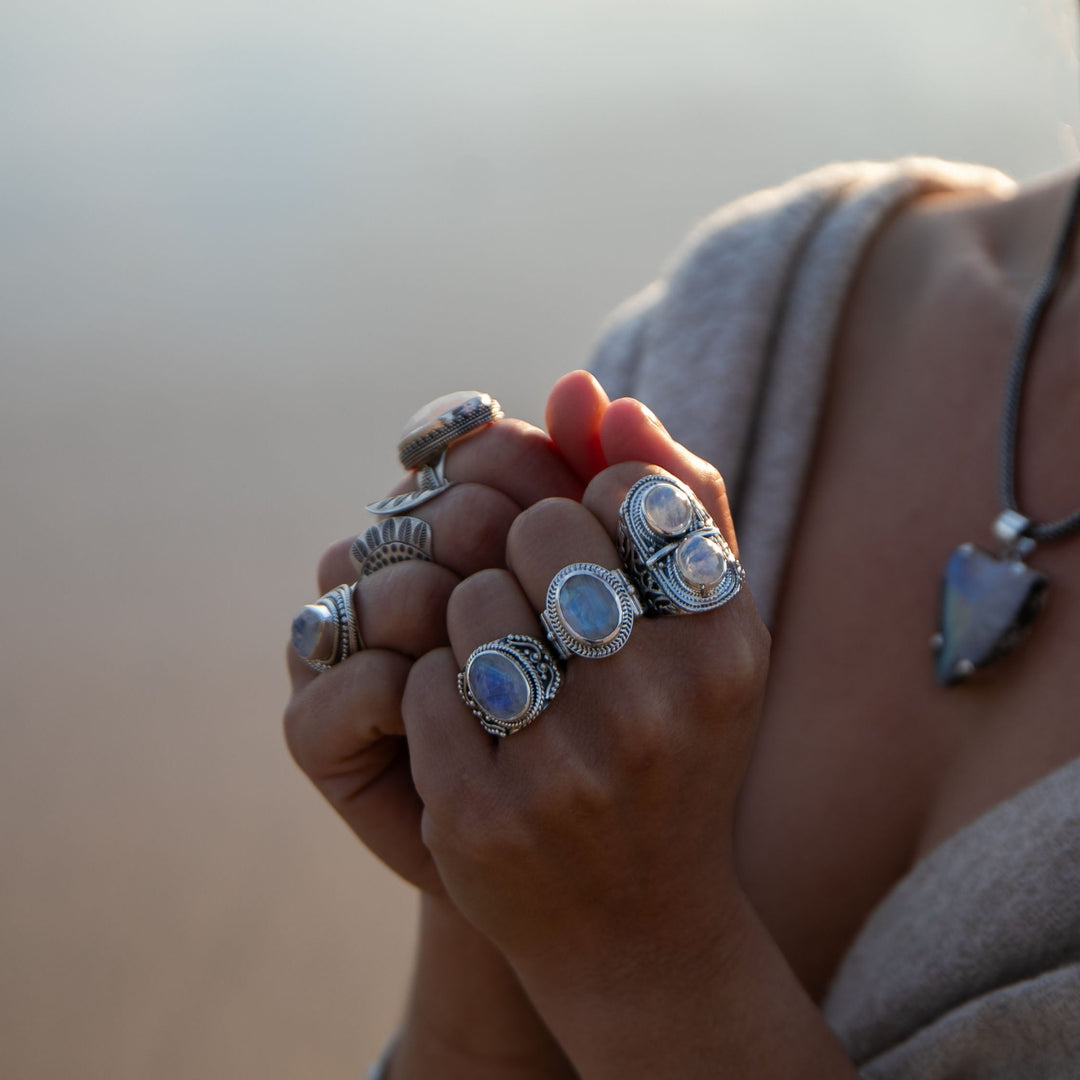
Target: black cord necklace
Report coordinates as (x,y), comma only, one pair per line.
(988,601)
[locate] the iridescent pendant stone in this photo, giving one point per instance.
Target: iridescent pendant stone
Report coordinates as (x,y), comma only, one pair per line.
(987,606)
(499,686)
(667,509)
(700,561)
(589,608)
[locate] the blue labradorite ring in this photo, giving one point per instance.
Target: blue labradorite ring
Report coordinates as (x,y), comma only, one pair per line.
(509,682)
(326,632)
(673,552)
(589,611)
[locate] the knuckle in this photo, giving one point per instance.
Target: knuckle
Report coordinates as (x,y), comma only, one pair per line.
(477,591)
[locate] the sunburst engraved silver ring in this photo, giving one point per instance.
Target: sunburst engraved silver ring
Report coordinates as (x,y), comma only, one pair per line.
(673,552)
(393,540)
(427,436)
(589,611)
(509,682)
(325,632)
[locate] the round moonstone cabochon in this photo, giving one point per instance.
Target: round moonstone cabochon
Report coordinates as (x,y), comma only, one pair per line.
(667,509)
(700,561)
(589,608)
(499,686)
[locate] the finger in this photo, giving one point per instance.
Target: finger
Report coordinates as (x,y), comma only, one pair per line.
(345,710)
(575,409)
(513,457)
(403,607)
(630,431)
(451,754)
(344,730)
(468,533)
(487,606)
(551,535)
(606,491)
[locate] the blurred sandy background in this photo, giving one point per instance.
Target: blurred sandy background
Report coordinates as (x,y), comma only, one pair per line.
(239,243)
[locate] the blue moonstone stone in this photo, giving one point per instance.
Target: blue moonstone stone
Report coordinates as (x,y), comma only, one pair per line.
(589,608)
(313,632)
(499,686)
(667,509)
(987,605)
(701,561)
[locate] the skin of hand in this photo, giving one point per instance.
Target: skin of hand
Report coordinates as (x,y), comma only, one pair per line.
(467,1015)
(596,847)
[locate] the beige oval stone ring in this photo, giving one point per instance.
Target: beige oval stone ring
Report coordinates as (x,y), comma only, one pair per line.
(427,436)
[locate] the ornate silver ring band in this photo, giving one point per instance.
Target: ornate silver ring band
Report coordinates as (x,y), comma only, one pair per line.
(509,682)
(428,434)
(673,552)
(393,540)
(589,611)
(326,632)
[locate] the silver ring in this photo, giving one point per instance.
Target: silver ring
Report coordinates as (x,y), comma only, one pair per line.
(326,632)
(673,552)
(589,611)
(431,430)
(428,434)
(394,540)
(509,682)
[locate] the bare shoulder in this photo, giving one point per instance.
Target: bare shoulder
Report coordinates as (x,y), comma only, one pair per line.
(864,763)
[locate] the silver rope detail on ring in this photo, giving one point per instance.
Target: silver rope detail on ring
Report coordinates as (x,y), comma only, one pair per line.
(509,682)
(326,632)
(589,611)
(673,552)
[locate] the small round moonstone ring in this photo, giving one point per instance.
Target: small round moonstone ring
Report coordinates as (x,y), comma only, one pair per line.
(673,552)
(589,611)
(509,682)
(326,632)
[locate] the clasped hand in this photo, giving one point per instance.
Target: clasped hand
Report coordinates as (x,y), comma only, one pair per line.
(594,849)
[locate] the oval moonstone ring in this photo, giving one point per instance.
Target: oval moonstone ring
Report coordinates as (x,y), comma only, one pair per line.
(589,611)
(509,682)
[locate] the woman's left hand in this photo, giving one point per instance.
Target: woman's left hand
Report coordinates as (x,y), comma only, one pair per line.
(595,848)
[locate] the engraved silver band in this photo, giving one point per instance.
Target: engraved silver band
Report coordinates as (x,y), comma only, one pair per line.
(394,540)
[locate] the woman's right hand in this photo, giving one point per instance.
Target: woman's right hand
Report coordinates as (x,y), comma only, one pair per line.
(343,726)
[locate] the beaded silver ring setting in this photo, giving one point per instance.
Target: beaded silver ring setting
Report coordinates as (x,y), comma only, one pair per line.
(428,434)
(326,632)
(589,611)
(673,552)
(509,682)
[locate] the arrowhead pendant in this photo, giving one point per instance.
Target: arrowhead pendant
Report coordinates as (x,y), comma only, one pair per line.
(987,605)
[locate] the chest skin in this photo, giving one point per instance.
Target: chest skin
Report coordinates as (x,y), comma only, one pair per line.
(863,763)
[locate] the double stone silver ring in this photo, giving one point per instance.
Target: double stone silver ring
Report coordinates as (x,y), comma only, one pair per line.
(673,552)
(326,632)
(509,682)
(428,434)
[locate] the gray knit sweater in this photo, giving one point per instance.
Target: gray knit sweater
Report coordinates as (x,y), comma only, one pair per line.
(970,967)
